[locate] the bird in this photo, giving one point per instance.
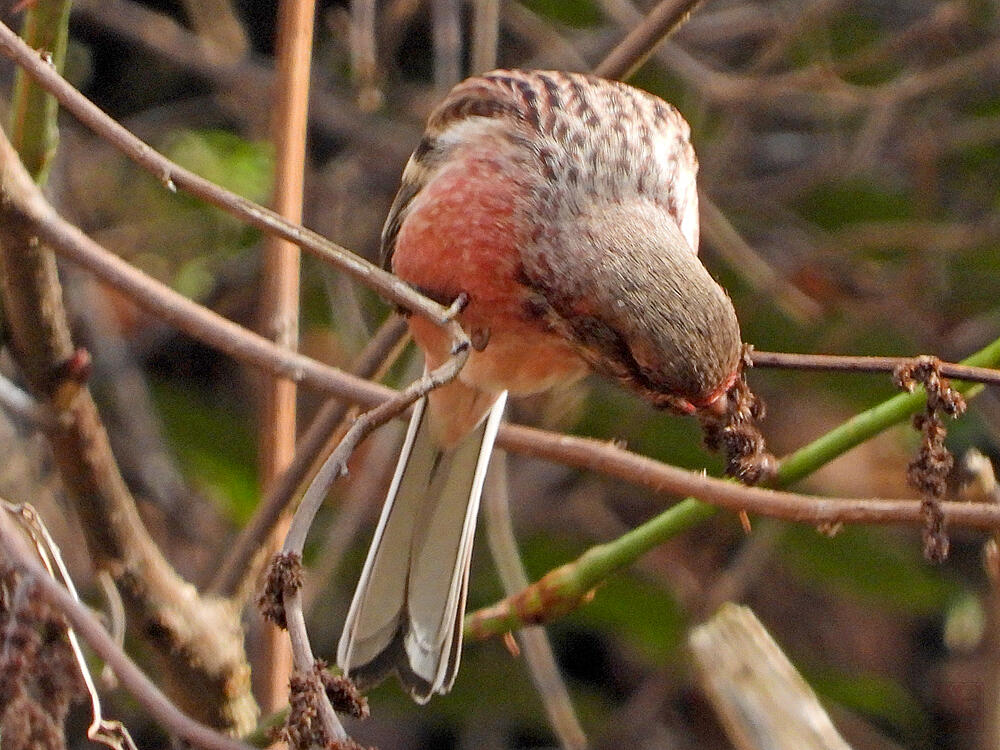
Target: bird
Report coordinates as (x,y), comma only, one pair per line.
(564,208)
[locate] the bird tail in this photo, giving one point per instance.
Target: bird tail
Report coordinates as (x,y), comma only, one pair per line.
(406,615)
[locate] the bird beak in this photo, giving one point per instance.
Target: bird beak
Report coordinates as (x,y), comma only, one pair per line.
(716,404)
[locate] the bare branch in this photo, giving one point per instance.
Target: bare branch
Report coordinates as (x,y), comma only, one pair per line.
(586,453)
(280,290)
(841,363)
(237,569)
(199,641)
(640,43)
(333,468)
(174,176)
(535,645)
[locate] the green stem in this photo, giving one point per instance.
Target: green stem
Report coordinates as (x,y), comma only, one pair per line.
(860,428)
(627,548)
(34,131)
(566,587)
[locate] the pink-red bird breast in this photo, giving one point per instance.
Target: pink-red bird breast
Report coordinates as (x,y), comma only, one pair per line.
(461,237)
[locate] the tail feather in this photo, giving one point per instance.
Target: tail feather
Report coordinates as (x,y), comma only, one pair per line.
(406,615)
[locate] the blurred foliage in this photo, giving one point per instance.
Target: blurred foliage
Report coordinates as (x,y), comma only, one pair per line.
(212,441)
(226,159)
(888,703)
(887,572)
(576,14)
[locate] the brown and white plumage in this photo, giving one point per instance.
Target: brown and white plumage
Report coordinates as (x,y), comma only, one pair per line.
(565,207)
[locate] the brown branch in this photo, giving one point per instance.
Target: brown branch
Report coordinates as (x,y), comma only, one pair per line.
(587,454)
(610,460)
(198,641)
(288,609)
(280,291)
(640,43)
(238,568)
(280,275)
(195,320)
(174,176)
(16,555)
(841,363)
(335,465)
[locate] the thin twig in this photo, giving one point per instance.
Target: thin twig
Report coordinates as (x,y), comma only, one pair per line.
(280,290)
(332,469)
(535,645)
(174,176)
(639,44)
(238,569)
(336,465)
(842,363)
(485,33)
(355,506)
(302,657)
(86,624)
(572,584)
(195,320)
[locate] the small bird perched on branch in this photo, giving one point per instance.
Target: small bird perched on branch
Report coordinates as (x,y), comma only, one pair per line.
(564,207)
